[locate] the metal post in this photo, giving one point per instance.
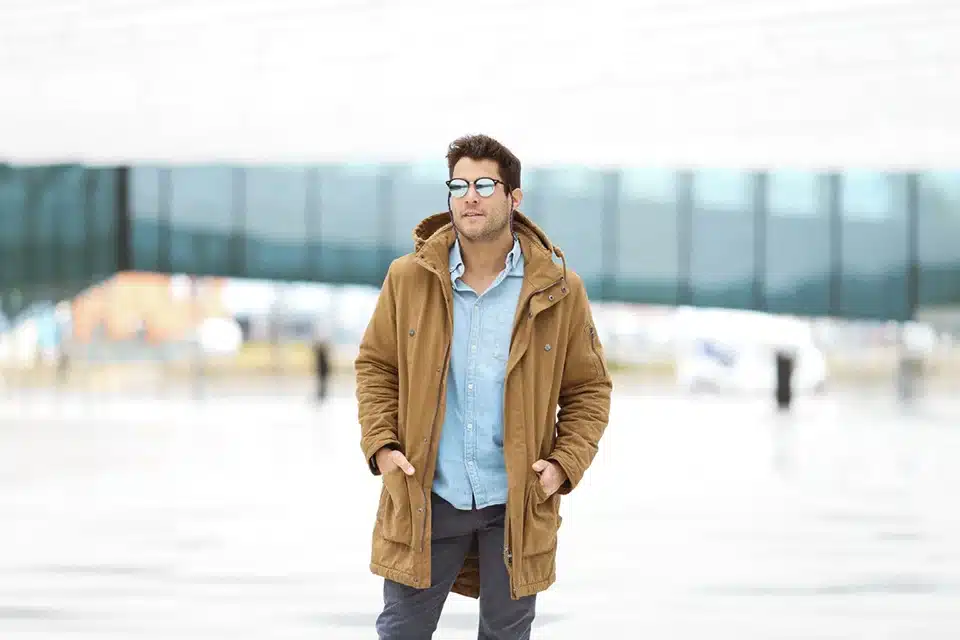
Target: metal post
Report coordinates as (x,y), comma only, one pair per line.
(835,186)
(910,361)
(236,253)
(164,226)
(760,214)
(33,254)
(122,225)
(684,196)
(913,244)
(311,224)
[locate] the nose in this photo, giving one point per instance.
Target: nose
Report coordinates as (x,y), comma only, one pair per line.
(472,195)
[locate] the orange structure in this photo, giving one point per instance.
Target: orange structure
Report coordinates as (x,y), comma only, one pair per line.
(161,307)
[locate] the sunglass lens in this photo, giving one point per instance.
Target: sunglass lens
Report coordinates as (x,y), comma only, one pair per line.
(485,187)
(458,188)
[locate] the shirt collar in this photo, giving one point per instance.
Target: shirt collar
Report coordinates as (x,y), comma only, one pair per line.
(513,264)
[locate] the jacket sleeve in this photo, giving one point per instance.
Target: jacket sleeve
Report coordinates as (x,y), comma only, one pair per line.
(377,377)
(585,390)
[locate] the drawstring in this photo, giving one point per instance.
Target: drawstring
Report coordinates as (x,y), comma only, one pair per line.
(559,254)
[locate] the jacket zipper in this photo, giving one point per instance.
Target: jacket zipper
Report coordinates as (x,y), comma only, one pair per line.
(436,410)
(507,551)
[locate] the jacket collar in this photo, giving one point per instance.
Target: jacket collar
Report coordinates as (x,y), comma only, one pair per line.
(435,235)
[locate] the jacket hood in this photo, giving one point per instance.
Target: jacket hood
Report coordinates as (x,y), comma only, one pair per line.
(434,236)
(440,222)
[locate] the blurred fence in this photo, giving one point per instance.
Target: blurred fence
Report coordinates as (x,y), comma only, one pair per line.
(854,244)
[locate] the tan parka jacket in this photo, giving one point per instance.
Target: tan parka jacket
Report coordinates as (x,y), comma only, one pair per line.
(555,359)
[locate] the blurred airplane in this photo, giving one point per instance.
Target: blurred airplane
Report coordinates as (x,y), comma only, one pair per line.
(734,351)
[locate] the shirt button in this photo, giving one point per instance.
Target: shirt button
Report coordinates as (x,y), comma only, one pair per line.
(469,386)
(469,426)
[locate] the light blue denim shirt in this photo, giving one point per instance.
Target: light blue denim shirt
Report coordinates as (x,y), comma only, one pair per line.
(471,470)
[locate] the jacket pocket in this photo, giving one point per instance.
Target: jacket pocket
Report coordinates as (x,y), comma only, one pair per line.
(597,349)
(396,513)
(541,520)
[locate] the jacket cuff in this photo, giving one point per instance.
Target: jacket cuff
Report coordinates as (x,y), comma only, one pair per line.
(372,458)
(572,477)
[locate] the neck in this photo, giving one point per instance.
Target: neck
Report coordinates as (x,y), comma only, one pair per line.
(486,258)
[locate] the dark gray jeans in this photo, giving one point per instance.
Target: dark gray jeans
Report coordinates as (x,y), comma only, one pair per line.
(412,614)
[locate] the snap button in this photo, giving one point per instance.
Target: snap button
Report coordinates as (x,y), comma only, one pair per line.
(564,290)
(412,332)
(548,298)
(420,509)
(547,348)
(529,314)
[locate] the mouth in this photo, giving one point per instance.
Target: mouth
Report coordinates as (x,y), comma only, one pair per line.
(472,214)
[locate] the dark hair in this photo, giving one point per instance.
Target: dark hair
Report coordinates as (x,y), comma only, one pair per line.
(481,147)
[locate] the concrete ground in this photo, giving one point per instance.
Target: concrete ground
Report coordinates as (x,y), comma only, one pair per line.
(247,513)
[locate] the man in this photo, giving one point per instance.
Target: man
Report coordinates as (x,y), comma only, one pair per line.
(477,337)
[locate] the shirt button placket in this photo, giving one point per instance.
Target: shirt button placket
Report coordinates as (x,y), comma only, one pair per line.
(469,439)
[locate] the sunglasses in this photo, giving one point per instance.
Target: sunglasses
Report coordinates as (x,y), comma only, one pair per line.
(484,186)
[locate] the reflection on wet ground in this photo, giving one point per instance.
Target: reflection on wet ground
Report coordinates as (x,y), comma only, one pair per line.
(249,516)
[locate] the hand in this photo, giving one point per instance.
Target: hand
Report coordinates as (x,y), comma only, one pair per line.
(389,459)
(551,475)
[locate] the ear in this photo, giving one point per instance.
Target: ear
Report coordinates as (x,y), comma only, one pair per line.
(517,196)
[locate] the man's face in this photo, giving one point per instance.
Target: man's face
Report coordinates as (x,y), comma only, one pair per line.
(477,217)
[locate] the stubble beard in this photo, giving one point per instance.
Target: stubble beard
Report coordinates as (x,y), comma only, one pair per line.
(492,230)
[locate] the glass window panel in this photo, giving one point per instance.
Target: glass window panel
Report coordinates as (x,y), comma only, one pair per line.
(797,270)
(144,192)
(867,195)
(66,203)
(794,193)
(350,222)
(418,192)
(201,213)
(938,237)
(647,265)
(722,241)
(722,190)
(275,222)
(874,246)
(13,216)
(569,208)
(145,212)
(54,226)
(101,220)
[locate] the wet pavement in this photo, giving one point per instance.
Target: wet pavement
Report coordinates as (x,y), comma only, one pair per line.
(249,515)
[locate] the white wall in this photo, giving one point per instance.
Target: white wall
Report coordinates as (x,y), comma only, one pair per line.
(664,82)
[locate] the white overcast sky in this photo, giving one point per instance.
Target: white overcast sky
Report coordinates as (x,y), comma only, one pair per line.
(639,82)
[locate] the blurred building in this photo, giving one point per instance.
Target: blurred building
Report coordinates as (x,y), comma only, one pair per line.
(798,159)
